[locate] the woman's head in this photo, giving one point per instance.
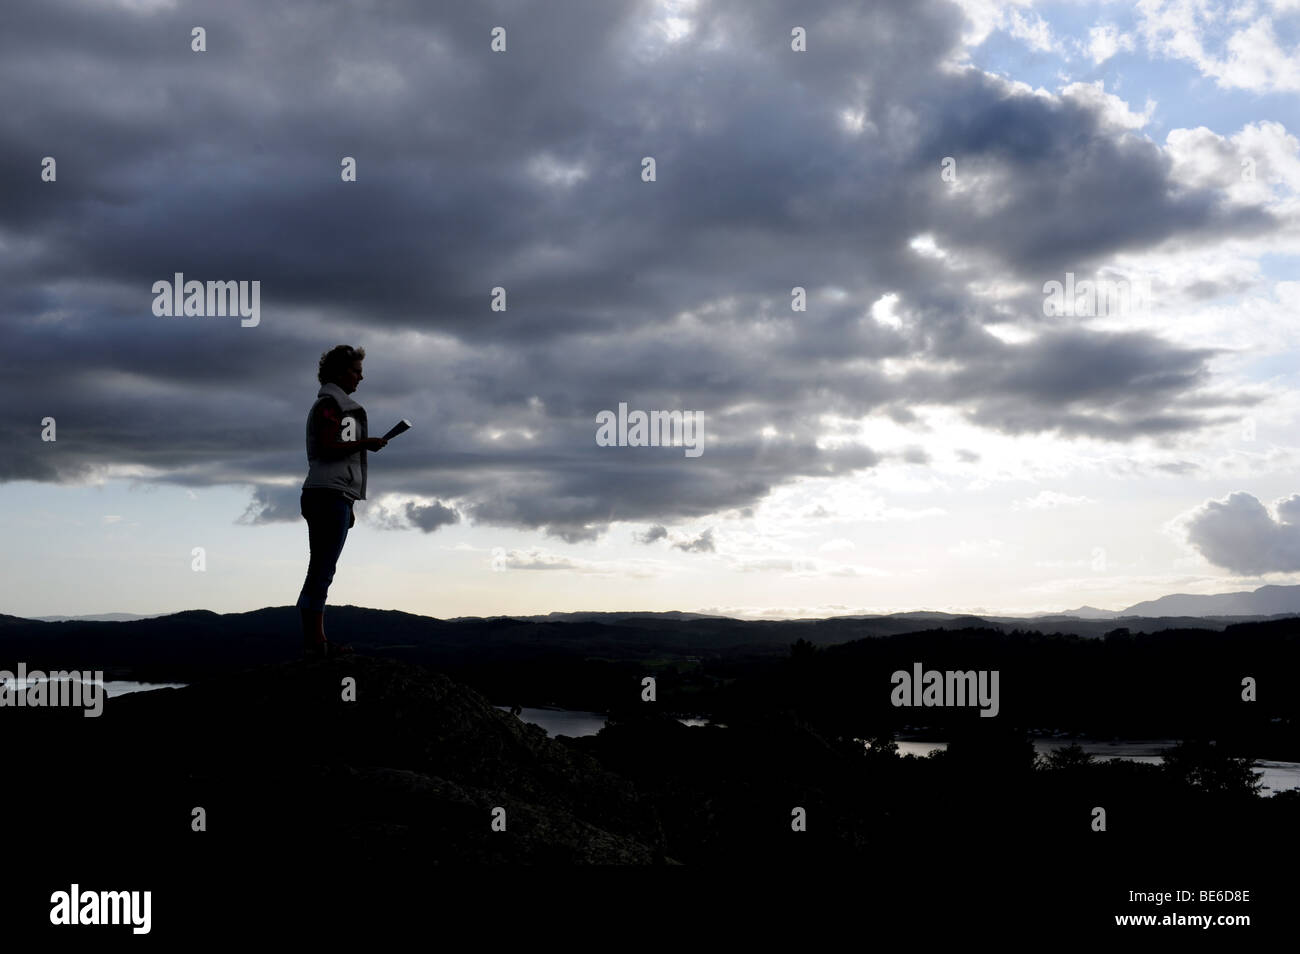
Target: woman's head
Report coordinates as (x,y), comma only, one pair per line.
(341,365)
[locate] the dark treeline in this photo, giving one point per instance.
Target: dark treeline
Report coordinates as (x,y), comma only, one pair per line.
(1176,683)
(1170,684)
(834,674)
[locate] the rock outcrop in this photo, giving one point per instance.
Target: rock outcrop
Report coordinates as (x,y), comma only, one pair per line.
(351,758)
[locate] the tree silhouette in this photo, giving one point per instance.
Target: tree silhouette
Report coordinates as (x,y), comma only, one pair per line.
(1068,757)
(1206,766)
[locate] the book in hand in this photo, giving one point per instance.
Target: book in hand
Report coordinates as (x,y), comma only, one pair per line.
(402,425)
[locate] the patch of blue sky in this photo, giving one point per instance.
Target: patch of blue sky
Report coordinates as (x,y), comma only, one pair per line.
(1185,99)
(1279,267)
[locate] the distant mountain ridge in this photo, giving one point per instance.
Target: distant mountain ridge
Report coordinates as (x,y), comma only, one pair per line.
(98,618)
(600,616)
(1270,600)
(1085,612)
(1265,601)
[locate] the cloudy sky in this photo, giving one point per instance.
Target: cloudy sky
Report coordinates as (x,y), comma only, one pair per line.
(927,431)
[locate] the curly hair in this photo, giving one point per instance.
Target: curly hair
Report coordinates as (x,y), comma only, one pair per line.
(335,360)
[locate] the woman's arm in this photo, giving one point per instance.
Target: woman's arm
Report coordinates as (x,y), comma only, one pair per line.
(329,423)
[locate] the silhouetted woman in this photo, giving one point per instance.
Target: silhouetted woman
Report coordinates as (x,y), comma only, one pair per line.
(336,477)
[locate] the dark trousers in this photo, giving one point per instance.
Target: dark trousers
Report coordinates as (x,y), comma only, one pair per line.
(329,516)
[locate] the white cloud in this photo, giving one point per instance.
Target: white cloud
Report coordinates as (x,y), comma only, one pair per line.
(924,245)
(1114,110)
(1252,57)
(554,172)
(1105,41)
(1011,334)
(539,558)
(985,16)
(1259,165)
(837,545)
(805,567)
(979,549)
(1033,30)
(883,311)
(1049,500)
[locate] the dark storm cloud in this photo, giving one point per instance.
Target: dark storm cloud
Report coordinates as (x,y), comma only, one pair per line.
(656,532)
(1094,384)
(701,544)
(1080,192)
(273,504)
(521,170)
(430,518)
(1239,534)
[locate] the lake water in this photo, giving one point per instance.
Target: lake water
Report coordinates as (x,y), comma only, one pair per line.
(112,687)
(120,687)
(1278,776)
(573,722)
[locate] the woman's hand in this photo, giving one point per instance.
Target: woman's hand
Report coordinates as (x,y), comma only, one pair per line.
(373,443)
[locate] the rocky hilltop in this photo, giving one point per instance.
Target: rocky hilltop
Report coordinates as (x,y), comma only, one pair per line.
(413,767)
(377,765)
